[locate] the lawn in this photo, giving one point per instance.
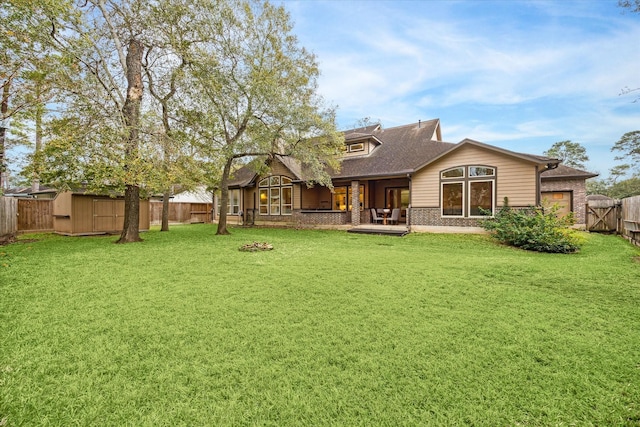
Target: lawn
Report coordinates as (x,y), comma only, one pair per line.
(329,328)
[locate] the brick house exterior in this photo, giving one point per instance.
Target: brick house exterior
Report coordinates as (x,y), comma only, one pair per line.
(431,183)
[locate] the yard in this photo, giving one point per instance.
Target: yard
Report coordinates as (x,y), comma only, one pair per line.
(329,328)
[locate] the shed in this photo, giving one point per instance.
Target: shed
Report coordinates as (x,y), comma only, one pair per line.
(80,213)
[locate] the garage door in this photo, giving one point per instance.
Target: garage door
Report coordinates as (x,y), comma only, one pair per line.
(561,198)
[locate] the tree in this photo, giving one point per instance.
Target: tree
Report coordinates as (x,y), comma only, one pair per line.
(26,67)
(629,146)
(103,88)
(164,66)
(254,93)
(569,153)
(632,6)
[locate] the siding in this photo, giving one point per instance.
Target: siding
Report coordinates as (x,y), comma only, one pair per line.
(516,179)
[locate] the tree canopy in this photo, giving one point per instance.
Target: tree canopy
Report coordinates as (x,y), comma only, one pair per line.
(176,92)
(572,154)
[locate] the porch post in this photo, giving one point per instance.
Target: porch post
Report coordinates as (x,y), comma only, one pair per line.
(355,203)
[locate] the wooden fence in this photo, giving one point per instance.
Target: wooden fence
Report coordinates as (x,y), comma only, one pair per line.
(603,216)
(630,218)
(615,216)
(35,215)
(188,213)
(8,218)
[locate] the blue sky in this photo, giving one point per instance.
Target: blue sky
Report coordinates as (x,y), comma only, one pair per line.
(520,75)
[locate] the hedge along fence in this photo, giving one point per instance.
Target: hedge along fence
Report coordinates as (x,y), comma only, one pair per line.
(8,217)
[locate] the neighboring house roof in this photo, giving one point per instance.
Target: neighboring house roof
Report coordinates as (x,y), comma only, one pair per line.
(198,195)
(17,192)
(564,172)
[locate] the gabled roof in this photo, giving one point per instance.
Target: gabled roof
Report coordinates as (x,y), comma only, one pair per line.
(540,160)
(564,172)
(245,175)
(401,149)
(406,149)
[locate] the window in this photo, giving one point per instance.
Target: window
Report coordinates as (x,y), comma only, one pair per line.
(468,191)
(275,196)
(353,148)
(234,202)
(342,198)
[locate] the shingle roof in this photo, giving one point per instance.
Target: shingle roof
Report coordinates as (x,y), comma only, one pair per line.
(402,149)
(405,149)
(564,171)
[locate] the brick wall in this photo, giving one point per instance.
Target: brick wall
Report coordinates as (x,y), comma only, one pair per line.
(432,217)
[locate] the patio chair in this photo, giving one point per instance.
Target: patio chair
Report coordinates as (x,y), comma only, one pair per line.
(375,217)
(395,216)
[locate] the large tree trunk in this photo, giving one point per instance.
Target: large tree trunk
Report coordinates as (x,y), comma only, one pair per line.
(224,198)
(4,107)
(165,210)
(131,113)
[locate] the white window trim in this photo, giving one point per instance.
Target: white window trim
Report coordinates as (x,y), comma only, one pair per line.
(464,199)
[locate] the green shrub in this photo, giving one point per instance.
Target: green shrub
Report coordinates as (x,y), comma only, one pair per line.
(534,228)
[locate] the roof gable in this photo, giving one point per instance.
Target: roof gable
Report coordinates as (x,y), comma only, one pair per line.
(539,160)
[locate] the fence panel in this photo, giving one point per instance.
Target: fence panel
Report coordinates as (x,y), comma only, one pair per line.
(183,212)
(8,217)
(35,215)
(603,215)
(631,218)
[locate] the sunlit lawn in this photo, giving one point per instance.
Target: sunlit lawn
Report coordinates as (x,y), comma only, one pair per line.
(329,328)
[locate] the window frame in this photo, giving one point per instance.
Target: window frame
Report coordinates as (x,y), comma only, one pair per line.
(466,180)
(274,187)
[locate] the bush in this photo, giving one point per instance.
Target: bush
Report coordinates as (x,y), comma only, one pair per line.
(534,228)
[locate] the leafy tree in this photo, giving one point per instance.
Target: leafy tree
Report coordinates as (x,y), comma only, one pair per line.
(625,188)
(26,66)
(572,154)
(254,93)
(103,42)
(629,146)
(632,5)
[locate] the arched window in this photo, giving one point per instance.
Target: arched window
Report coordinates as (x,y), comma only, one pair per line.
(276,195)
(468,191)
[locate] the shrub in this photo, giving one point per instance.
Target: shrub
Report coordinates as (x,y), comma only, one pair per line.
(534,228)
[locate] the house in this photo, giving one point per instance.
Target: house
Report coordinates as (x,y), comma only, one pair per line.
(433,183)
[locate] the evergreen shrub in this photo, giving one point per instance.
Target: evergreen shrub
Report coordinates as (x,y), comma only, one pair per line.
(534,228)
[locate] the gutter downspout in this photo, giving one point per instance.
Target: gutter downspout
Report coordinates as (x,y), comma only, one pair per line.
(549,166)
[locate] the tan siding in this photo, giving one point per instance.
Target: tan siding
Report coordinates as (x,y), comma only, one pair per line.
(82,214)
(62,207)
(516,179)
(277,168)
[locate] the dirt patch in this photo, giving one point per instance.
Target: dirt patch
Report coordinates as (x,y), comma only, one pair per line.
(7,239)
(256,246)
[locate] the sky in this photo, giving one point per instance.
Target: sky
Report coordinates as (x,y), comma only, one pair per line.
(520,75)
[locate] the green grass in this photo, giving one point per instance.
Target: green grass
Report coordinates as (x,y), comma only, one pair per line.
(329,328)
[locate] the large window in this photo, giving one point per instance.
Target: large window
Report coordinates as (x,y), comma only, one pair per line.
(342,198)
(468,191)
(234,202)
(276,196)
